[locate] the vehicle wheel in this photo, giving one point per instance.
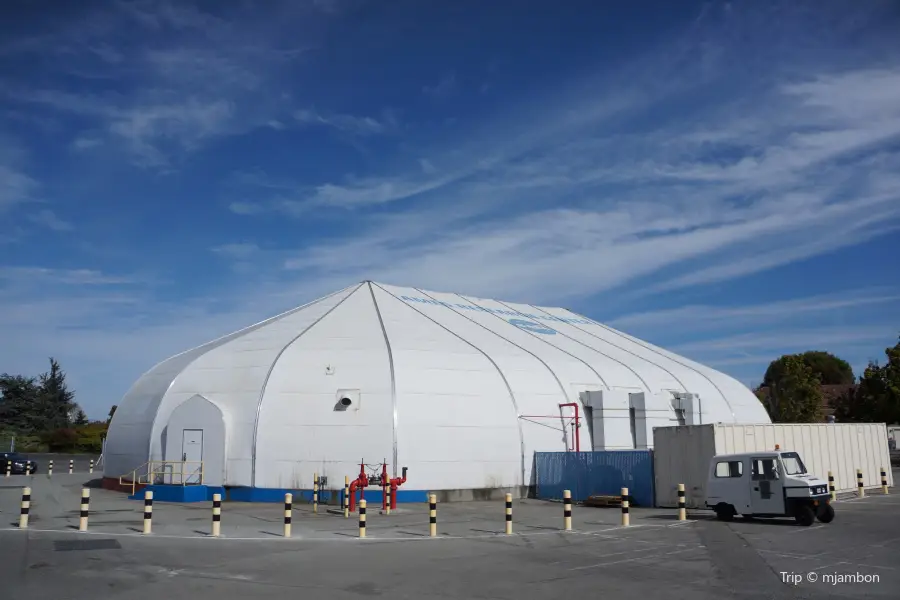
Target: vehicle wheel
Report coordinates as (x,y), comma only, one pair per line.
(825,514)
(724,512)
(804,515)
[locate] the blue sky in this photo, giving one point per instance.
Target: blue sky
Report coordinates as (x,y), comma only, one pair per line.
(722,179)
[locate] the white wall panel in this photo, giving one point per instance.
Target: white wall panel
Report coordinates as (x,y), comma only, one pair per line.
(476,393)
(662,372)
(537,390)
(300,432)
(128,443)
(232,376)
(744,405)
(613,372)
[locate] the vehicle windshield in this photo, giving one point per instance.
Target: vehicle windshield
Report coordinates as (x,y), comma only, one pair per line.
(792,464)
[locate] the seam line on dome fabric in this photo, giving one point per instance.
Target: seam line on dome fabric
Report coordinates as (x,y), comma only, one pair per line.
(262,391)
(512,395)
(390,353)
(553,374)
(214,345)
(665,354)
(616,360)
(545,341)
(626,350)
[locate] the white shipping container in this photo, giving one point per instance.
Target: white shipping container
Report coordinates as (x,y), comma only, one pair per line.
(681,454)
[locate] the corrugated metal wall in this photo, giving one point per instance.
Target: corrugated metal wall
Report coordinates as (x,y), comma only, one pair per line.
(595,473)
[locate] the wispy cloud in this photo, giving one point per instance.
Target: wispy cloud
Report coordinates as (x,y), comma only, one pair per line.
(15,187)
(236,251)
(443,88)
(27,276)
(49,219)
(740,203)
(702,317)
(354,125)
(83,143)
(787,340)
(211,79)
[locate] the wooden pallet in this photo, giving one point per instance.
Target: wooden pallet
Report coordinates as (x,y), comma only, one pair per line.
(603,501)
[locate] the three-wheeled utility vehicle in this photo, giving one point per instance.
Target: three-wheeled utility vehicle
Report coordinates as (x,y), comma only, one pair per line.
(766,484)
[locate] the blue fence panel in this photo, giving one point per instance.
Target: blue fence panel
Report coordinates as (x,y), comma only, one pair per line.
(595,473)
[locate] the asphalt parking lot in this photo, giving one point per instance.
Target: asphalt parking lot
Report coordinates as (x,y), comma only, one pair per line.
(656,557)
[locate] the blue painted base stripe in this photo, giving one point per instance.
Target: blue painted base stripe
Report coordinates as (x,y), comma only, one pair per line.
(372,496)
(203,493)
(177,493)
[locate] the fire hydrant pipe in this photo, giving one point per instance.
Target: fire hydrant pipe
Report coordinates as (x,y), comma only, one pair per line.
(395,483)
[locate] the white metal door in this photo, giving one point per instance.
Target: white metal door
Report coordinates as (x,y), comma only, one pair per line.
(192,454)
(766,496)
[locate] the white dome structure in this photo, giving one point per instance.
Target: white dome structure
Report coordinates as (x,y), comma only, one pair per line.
(460,390)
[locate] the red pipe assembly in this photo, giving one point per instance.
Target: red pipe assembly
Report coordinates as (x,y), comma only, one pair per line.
(577,424)
(362,481)
(394,484)
(388,486)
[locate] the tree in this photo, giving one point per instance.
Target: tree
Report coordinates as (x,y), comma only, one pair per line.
(877,397)
(830,369)
(80,418)
(55,402)
(796,395)
(17,396)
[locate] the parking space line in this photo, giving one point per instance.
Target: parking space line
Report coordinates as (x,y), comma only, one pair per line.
(344,536)
(811,556)
(843,562)
(637,558)
(789,555)
(806,529)
(889,499)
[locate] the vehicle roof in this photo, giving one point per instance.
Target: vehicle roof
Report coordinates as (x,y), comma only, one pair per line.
(762,454)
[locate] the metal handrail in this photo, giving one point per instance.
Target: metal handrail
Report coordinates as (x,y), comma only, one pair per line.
(164,471)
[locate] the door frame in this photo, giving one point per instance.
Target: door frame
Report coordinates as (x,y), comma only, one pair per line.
(191,474)
(775,503)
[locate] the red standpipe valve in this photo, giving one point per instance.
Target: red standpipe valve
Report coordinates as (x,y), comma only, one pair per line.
(395,483)
(362,481)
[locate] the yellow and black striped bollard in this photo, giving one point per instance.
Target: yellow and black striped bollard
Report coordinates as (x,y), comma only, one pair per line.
(217,515)
(346,497)
(626,519)
(85,508)
(508,514)
(71,466)
(8,467)
(682,511)
(148,511)
(567,510)
(91,467)
(861,490)
(50,468)
(432,515)
(831,487)
(288,512)
(26,506)
(884,485)
(315,492)
(362,518)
